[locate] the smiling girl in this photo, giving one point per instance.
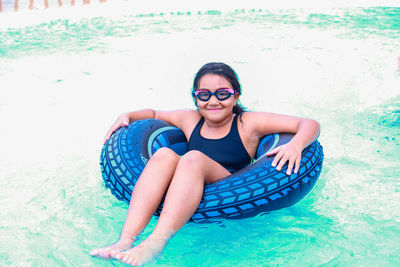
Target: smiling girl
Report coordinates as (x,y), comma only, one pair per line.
(223,139)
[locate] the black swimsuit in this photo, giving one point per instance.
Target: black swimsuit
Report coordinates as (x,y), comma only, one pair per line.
(228,151)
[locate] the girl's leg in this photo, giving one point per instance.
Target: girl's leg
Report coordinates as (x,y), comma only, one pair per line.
(146,197)
(183,197)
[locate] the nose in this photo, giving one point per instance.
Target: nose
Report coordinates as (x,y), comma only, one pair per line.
(213,100)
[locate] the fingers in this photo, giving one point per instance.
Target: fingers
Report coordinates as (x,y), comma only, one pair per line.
(109,133)
(282,157)
(282,162)
(290,167)
(297,166)
(118,124)
(273,151)
(277,157)
(124,122)
(286,153)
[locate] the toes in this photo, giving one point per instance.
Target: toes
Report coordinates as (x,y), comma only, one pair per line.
(132,261)
(94,252)
(105,253)
(126,258)
(129,261)
(117,255)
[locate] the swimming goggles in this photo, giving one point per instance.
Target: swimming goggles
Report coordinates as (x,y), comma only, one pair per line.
(220,94)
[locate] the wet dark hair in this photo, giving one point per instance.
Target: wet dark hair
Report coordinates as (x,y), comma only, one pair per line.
(222,69)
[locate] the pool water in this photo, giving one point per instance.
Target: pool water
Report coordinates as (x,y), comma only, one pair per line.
(64,81)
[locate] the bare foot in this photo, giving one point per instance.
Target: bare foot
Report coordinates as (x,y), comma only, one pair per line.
(143,253)
(105,252)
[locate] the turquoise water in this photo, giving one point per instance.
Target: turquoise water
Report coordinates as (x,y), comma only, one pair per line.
(64,81)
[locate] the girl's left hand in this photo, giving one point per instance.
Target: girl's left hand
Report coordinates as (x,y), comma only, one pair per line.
(287,152)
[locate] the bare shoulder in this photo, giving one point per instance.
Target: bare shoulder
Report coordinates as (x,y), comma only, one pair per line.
(249,122)
(254,116)
(252,120)
(263,123)
(184,119)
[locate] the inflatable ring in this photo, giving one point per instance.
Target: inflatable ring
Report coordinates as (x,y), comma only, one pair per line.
(259,187)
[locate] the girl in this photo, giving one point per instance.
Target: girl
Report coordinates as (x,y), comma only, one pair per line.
(222,140)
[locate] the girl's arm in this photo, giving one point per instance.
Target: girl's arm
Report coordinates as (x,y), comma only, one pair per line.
(306,131)
(178,118)
(125,118)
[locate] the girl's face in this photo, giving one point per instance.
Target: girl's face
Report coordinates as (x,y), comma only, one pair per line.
(214,109)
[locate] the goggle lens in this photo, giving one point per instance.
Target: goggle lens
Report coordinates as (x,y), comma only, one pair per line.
(221,94)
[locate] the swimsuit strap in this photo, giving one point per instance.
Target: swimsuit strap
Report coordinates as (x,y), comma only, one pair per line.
(196,130)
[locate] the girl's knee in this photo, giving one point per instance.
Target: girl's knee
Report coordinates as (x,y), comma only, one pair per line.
(165,154)
(193,159)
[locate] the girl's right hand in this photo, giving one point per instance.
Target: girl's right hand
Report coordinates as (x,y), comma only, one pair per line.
(123,120)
